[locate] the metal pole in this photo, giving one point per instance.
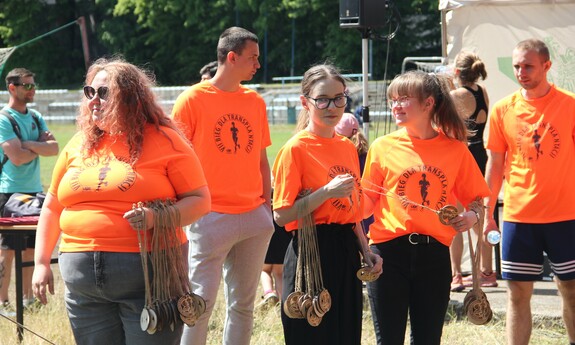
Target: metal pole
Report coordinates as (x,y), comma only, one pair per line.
(85,46)
(364,71)
(266,55)
(20,245)
(443,34)
(292,68)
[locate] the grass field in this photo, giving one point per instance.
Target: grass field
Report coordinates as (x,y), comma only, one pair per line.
(51,321)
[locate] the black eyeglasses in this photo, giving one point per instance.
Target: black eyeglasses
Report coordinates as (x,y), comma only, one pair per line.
(26,86)
(323,103)
(90,92)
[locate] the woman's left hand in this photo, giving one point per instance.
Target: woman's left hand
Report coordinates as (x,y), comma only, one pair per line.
(464,221)
(374,261)
(140,218)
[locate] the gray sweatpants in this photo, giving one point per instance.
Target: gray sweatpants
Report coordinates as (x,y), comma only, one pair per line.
(235,245)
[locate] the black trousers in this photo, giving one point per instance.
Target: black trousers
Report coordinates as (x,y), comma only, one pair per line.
(340,260)
(416,279)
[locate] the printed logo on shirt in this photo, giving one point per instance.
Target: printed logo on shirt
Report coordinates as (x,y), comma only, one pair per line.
(233,133)
(344,204)
(535,141)
(97,176)
(423,186)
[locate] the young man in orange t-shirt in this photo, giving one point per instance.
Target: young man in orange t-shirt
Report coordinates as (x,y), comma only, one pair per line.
(227,125)
(531,144)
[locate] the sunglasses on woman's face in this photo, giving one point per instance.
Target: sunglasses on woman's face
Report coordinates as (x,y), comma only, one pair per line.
(90,92)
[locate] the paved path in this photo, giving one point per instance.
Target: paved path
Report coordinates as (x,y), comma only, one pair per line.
(545,303)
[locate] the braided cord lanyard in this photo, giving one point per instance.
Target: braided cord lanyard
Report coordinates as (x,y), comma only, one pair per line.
(475,255)
(143,246)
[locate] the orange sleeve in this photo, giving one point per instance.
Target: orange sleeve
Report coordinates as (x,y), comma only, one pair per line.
(308,162)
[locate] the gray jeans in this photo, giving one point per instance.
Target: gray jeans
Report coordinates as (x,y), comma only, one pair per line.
(238,244)
(105,295)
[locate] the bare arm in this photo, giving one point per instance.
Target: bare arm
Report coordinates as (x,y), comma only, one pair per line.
(494,178)
(341,186)
(371,259)
(191,206)
(47,234)
(194,205)
(45,146)
(266,176)
(368,206)
(17,153)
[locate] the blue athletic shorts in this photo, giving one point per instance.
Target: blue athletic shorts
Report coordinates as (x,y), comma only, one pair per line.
(523,244)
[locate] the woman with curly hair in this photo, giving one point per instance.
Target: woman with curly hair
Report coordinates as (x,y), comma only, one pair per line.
(126,151)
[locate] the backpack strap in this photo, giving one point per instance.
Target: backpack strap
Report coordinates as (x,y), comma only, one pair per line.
(16,131)
(36,119)
(14,123)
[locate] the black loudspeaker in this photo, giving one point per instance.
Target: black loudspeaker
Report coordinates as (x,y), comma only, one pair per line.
(362,14)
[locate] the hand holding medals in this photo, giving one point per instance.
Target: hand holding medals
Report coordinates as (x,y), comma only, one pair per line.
(169,298)
(311,301)
(371,267)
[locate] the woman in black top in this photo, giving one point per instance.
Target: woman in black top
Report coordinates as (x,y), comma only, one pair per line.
(472,103)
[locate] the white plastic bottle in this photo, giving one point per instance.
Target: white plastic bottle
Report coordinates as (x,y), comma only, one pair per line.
(493,237)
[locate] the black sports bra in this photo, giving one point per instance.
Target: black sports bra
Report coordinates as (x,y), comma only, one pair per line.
(471,123)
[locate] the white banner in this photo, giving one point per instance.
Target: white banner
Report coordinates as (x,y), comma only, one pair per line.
(491,29)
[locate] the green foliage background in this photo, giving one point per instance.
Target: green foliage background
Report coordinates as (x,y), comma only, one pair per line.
(175,38)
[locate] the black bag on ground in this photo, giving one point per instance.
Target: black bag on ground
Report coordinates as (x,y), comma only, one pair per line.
(21,205)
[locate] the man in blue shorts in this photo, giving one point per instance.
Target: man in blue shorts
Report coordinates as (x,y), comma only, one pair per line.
(531,143)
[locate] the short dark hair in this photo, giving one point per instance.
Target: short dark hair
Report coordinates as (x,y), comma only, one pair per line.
(234,40)
(535,45)
(15,76)
(210,68)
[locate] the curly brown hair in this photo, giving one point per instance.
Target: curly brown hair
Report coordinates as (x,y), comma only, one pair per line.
(130,105)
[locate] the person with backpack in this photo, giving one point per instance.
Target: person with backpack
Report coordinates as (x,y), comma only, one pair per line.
(24,137)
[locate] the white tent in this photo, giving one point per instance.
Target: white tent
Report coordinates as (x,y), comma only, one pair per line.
(492,28)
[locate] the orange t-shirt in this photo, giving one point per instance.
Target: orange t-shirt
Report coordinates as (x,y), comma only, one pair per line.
(539,139)
(308,162)
(430,173)
(96,194)
(228,130)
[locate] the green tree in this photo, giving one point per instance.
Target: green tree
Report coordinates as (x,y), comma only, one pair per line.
(175,38)
(57,59)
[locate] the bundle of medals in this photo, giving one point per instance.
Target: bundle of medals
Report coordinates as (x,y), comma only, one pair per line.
(475,304)
(310,300)
(169,297)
